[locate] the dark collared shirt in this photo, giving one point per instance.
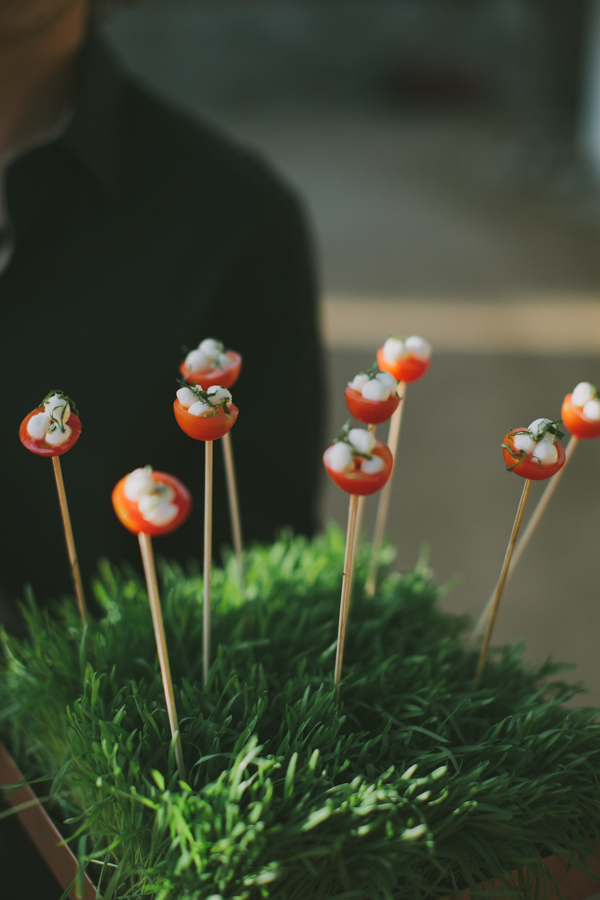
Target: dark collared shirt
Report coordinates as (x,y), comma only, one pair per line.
(138,232)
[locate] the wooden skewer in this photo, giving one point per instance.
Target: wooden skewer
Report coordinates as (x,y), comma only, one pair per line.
(360,513)
(384,497)
(234,506)
(346,588)
(161,644)
(503,576)
(208,485)
(525,537)
(64,508)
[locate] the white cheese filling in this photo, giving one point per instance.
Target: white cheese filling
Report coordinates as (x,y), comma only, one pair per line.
(591,410)
(57,438)
(197,407)
(210,354)
(372,466)
(582,392)
(361,440)
(38,426)
(153,498)
(537,426)
(379,387)
(339,456)
(544,451)
(51,424)
(395,349)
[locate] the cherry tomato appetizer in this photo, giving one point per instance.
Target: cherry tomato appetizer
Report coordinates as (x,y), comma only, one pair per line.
(411,368)
(530,456)
(357,462)
(205,428)
(53,428)
(152,503)
(371,412)
(211,364)
(581,411)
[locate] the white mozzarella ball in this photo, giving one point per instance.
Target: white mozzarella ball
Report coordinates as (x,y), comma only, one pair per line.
(361,439)
(359,381)
(157,507)
(186,397)
(139,482)
(223,361)
(339,456)
(524,442)
(372,466)
(199,408)
(211,347)
(55,405)
(38,426)
(418,346)
(375,390)
(218,394)
(393,350)
(591,410)
(582,392)
(389,381)
(546,452)
(57,437)
(198,361)
(537,426)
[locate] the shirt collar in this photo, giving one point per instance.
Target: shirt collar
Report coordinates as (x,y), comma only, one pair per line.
(94,134)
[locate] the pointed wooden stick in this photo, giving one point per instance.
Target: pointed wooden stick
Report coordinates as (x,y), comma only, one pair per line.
(161,644)
(346,588)
(234,506)
(64,508)
(208,486)
(525,538)
(384,497)
(360,512)
(503,576)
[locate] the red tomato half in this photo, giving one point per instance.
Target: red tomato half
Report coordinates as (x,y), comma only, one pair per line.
(41,447)
(372,412)
(354,481)
(209,377)
(131,518)
(529,468)
(205,428)
(409,369)
(577,423)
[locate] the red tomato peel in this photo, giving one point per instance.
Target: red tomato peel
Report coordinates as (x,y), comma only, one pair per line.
(205,428)
(409,369)
(372,412)
(130,516)
(529,468)
(577,423)
(355,481)
(41,448)
(210,377)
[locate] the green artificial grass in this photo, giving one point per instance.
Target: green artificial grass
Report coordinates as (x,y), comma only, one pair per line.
(419,783)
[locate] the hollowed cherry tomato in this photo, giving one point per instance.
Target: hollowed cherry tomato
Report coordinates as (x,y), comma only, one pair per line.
(577,423)
(371,412)
(354,481)
(529,467)
(130,516)
(408,369)
(41,448)
(209,377)
(205,428)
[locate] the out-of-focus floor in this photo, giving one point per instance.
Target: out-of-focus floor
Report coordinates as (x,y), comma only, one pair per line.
(429,217)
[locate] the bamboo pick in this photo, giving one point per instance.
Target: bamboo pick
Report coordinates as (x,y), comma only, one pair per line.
(384,497)
(503,576)
(234,505)
(525,537)
(361,511)
(161,644)
(346,588)
(208,485)
(64,508)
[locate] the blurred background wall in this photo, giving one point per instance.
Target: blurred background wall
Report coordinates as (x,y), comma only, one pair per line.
(448,152)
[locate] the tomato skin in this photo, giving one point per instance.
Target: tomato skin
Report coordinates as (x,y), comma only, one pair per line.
(41,448)
(529,468)
(406,370)
(354,481)
(371,412)
(205,428)
(221,377)
(577,423)
(129,515)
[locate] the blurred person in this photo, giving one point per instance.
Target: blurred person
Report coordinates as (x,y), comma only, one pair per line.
(126,231)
